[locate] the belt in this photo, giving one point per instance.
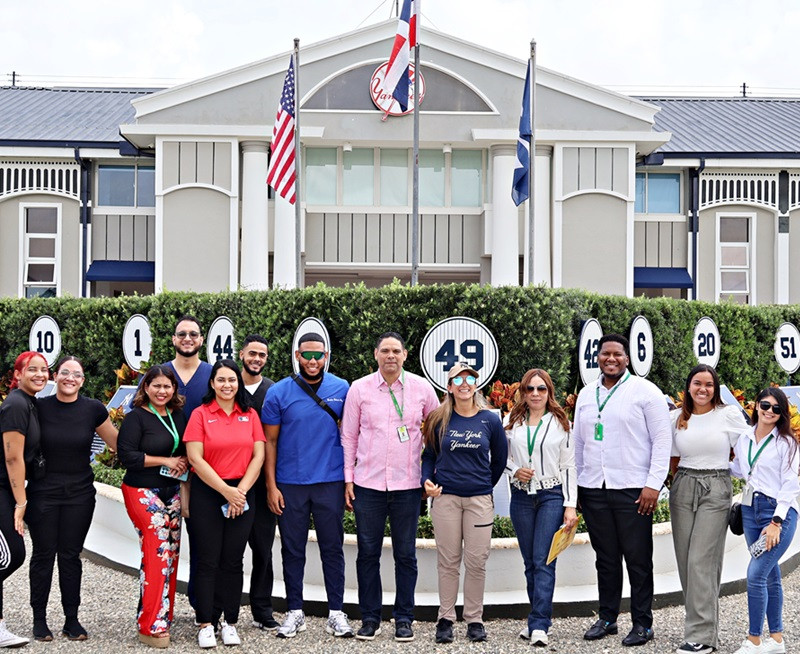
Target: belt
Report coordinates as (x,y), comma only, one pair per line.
(545,483)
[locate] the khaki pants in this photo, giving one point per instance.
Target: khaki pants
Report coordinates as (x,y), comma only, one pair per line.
(463,527)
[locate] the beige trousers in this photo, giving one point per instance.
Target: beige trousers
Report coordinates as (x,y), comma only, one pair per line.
(463,529)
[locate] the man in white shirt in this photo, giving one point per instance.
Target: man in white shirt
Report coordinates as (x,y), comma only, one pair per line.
(623,441)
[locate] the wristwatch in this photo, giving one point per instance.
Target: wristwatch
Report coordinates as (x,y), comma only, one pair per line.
(777,520)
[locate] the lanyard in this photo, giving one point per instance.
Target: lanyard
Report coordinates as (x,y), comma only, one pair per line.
(602,406)
(398,407)
(532,444)
(750,459)
(170,428)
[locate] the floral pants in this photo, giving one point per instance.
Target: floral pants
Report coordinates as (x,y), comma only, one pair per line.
(156,516)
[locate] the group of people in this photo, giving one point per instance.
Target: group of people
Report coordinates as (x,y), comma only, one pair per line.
(233,454)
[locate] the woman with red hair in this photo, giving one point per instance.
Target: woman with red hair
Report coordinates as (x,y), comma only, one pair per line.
(20,459)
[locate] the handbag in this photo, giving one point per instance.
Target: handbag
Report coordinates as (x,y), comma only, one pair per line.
(735,519)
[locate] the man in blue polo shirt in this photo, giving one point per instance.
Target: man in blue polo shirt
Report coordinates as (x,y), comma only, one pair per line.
(304,466)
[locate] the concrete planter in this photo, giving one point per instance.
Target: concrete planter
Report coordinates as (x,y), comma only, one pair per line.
(113,538)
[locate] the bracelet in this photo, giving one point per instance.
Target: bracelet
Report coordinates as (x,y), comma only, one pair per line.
(21,506)
(775,524)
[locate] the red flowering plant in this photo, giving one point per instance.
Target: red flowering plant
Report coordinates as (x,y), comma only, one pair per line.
(502,396)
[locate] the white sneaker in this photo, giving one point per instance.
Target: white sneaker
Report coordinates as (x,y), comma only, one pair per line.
(294,621)
(525,634)
(770,646)
(229,635)
(206,637)
(338,625)
(7,639)
(748,647)
(538,638)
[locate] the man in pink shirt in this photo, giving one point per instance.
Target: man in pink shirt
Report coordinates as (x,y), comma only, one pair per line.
(382,444)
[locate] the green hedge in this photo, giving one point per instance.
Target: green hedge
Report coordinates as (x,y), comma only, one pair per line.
(533,326)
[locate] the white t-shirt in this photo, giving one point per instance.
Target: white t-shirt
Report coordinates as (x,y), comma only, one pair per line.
(706,442)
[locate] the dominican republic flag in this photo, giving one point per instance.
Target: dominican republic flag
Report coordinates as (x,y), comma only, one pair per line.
(281,172)
(397,81)
(521,187)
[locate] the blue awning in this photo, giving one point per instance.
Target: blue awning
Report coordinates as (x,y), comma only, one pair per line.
(121,271)
(661,278)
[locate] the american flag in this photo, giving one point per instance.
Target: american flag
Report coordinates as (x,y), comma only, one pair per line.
(281,172)
(396,81)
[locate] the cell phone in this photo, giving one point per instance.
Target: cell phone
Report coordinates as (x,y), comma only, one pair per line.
(226,505)
(759,546)
(167,472)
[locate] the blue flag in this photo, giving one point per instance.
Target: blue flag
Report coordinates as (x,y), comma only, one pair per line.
(519,191)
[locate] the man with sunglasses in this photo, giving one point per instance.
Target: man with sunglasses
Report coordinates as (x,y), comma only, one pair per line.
(623,439)
(304,467)
(382,467)
(192,373)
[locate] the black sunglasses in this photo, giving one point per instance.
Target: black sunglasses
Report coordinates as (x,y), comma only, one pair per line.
(769,406)
(541,388)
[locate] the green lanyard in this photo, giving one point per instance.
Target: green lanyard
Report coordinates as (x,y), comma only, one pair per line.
(398,407)
(750,459)
(532,444)
(598,428)
(170,428)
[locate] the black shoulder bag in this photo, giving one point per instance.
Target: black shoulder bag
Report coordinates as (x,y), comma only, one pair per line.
(312,394)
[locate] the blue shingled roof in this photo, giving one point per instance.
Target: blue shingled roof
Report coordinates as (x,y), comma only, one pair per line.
(65,114)
(729,125)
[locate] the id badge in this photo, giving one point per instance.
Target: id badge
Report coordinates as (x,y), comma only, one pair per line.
(402,433)
(598,431)
(531,488)
(747,495)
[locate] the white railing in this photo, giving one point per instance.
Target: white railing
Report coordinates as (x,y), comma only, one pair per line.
(747,188)
(42,176)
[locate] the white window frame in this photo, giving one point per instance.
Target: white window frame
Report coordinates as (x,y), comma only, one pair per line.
(751,268)
(24,239)
(644,216)
(136,209)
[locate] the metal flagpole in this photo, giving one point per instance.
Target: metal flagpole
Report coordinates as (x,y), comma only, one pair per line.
(297,167)
(415,184)
(531,165)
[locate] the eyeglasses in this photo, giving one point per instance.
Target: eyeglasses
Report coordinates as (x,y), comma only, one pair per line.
(457,381)
(769,406)
(75,374)
(191,335)
(315,356)
(541,388)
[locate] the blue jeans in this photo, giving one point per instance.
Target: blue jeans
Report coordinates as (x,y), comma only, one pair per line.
(764,589)
(371,508)
(536,518)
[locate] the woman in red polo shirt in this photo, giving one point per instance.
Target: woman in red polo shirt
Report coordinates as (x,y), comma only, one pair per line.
(225,444)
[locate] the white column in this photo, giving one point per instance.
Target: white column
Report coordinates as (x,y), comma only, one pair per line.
(505,218)
(283,260)
(782,260)
(255,240)
(541,217)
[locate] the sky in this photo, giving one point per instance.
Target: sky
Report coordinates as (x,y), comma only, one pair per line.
(633,46)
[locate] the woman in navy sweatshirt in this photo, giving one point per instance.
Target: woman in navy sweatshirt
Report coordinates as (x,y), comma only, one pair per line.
(464,457)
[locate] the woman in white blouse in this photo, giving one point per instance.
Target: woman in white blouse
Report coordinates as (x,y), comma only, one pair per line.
(703,432)
(544,489)
(766,457)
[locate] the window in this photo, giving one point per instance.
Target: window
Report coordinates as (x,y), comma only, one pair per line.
(466,168)
(358,171)
(658,193)
(321,175)
(431,178)
(734,259)
(394,178)
(40,250)
(126,186)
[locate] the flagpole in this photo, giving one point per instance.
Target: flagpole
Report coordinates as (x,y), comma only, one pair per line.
(531,166)
(415,174)
(297,166)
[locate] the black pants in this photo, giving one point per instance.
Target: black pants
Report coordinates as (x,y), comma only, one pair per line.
(61,530)
(12,546)
(218,544)
(261,538)
(617,531)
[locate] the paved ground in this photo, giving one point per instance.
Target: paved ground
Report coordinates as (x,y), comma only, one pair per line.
(110,600)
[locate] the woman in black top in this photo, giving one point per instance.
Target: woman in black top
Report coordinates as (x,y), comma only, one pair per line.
(19,459)
(150,446)
(62,503)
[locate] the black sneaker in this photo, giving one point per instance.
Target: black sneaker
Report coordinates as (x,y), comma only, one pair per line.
(369,629)
(267,624)
(694,648)
(475,632)
(444,631)
(73,629)
(403,632)
(41,631)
